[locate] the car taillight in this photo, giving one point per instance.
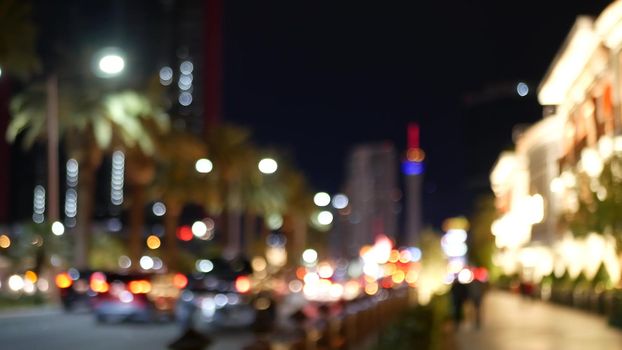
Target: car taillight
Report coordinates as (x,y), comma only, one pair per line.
(180,281)
(242,284)
(139,287)
(98,283)
(63,280)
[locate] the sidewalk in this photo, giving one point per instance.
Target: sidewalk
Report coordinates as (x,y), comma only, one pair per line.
(512,323)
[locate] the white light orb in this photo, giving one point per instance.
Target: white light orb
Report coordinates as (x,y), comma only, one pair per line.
(125,262)
(204,166)
(111,64)
(325,217)
(16,283)
(158,209)
(146,263)
(58,228)
(309,256)
(340,201)
(321,199)
(204,265)
(522,89)
(199,229)
(268,166)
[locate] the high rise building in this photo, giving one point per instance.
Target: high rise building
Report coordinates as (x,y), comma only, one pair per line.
(373,193)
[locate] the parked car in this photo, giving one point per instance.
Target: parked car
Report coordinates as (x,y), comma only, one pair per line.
(73,286)
(222,297)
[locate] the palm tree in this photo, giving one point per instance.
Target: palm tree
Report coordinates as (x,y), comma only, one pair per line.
(177,183)
(91,123)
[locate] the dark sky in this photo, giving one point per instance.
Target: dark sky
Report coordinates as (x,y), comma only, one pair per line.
(318,77)
(321,76)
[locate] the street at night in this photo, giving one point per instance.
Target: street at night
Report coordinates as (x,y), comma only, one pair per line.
(310,175)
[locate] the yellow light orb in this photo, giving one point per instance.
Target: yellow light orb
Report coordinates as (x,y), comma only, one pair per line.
(153,242)
(5,241)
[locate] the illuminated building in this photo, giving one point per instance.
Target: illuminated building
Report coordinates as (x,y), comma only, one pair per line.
(552,191)
(372,189)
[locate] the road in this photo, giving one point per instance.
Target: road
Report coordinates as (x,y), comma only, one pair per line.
(512,323)
(46,329)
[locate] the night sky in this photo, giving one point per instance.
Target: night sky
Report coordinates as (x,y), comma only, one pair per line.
(322,76)
(318,77)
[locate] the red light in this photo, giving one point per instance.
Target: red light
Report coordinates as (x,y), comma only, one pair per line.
(481,274)
(180,281)
(242,284)
(184,233)
(139,287)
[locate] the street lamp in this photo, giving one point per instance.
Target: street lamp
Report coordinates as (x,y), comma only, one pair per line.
(268,166)
(204,166)
(108,62)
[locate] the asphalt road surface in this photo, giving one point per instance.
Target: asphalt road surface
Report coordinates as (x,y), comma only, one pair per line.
(52,329)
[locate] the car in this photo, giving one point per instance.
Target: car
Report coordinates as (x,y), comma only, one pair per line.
(115,297)
(222,297)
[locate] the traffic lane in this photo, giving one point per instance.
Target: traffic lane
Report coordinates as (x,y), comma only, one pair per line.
(59,330)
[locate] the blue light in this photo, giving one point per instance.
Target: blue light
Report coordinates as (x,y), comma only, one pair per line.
(412,168)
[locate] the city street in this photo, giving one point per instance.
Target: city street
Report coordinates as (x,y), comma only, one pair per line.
(512,323)
(53,329)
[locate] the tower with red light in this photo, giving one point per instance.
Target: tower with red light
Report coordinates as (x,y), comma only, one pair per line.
(413,169)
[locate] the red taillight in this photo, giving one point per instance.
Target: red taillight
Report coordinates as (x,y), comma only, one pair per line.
(139,287)
(180,281)
(242,284)
(63,280)
(98,283)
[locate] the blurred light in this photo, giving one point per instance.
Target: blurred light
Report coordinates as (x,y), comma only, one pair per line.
(58,228)
(158,209)
(186,67)
(204,265)
(125,262)
(116,179)
(157,263)
(16,283)
(371,288)
(73,273)
(465,276)
(398,277)
(412,168)
(63,280)
(276,240)
(325,217)
(276,256)
(351,290)
(0,71)
(411,276)
(185,80)
(184,233)
(111,64)
(39,200)
(199,228)
(5,241)
(29,287)
(267,166)
(114,225)
(146,262)
(394,256)
(324,270)
(321,199)
(295,286)
(415,155)
(43,284)
(30,276)
(591,162)
(336,291)
(126,297)
(340,201)
(185,98)
(204,166)
(258,263)
(71,203)
(139,287)
(522,89)
(311,278)
(180,280)
(208,308)
(309,256)
(557,185)
(72,172)
(166,73)
(242,284)
(153,242)
(220,300)
(274,221)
